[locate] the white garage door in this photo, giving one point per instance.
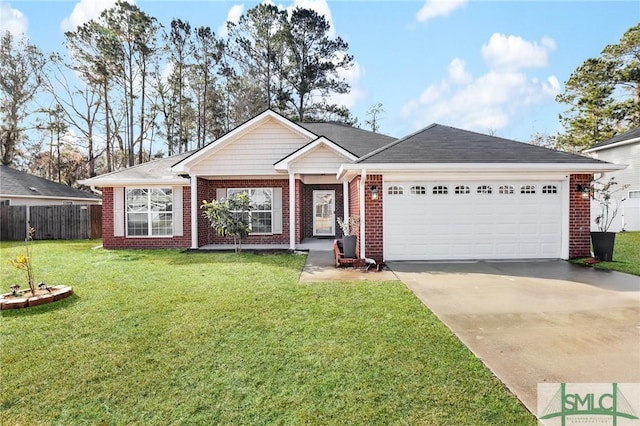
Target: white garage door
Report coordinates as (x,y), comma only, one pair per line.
(476,220)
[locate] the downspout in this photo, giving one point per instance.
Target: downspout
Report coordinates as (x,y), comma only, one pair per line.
(363,179)
(96,191)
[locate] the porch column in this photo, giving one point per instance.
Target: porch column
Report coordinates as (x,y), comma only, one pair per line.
(345,200)
(292,211)
(194,212)
(363,181)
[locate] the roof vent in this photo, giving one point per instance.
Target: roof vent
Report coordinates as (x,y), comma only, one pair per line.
(33,189)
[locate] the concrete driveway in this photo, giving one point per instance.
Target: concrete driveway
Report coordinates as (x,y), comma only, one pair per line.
(538,321)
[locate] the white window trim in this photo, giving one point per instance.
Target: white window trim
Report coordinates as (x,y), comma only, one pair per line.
(148,212)
(257,211)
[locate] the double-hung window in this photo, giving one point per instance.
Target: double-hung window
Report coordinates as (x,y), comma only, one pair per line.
(149,212)
(262,208)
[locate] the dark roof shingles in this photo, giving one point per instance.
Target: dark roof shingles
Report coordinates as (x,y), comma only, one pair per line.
(15,182)
(630,134)
(443,144)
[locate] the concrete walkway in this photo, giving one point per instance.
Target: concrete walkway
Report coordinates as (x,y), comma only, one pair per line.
(320,266)
(536,322)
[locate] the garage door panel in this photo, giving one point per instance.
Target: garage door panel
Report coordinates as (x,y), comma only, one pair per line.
(472,226)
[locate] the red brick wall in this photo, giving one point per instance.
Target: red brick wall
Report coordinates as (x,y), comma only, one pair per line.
(579,218)
(373,217)
(298,212)
(308,207)
(111,242)
(207,188)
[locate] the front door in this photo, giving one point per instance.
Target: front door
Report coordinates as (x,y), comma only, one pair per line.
(324,205)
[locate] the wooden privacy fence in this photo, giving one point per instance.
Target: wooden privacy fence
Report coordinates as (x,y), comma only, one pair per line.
(58,222)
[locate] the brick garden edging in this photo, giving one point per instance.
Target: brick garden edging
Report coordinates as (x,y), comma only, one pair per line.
(58,292)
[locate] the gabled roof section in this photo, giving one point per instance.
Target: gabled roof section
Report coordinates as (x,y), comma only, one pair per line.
(16,183)
(195,157)
(357,141)
(628,137)
(443,144)
(152,172)
(308,149)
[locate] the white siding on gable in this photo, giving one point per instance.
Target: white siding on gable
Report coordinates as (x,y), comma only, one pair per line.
(320,160)
(629,217)
(253,153)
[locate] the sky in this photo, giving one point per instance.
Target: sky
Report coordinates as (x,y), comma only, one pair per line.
(486,66)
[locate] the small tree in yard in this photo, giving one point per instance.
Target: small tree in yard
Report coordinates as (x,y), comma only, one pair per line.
(602,192)
(230,217)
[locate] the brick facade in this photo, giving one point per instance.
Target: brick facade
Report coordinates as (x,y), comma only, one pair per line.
(373,216)
(111,242)
(579,217)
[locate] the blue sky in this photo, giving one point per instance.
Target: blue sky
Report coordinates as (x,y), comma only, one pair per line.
(477,65)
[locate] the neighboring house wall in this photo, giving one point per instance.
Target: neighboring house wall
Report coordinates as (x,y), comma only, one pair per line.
(109,241)
(579,218)
(21,201)
(629,217)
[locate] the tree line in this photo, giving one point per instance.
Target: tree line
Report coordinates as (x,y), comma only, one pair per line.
(131,89)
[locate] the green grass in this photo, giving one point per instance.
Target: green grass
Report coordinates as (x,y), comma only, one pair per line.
(164,337)
(626,254)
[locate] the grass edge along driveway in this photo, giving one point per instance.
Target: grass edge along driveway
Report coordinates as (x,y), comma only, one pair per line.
(626,254)
(164,337)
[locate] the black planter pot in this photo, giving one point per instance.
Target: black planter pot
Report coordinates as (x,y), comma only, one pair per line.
(603,243)
(349,246)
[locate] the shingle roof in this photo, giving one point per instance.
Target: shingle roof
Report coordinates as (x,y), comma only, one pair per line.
(631,134)
(443,144)
(357,141)
(156,169)
(15,182)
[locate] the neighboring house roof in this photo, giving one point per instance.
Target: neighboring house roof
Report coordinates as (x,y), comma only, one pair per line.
(631,136)
(443,144)
(21,184)
(357,141)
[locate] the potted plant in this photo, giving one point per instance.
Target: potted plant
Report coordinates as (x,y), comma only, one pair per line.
(349,240)
(603,240)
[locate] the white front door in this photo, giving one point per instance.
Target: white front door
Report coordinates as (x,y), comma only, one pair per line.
(324,204)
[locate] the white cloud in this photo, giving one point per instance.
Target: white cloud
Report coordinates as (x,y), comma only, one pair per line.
(12,20)
(492,100)
(233,15)
(513,52)
(435,8)
(351,76)
(84,11)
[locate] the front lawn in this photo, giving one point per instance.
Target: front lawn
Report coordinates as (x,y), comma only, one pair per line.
(626,254)
(164,337)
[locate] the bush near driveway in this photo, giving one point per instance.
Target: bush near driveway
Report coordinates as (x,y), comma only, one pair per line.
(164,337)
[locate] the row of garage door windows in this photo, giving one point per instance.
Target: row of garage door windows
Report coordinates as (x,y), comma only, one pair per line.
(465,189)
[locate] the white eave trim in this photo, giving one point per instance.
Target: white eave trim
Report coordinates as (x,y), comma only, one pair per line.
(350,170)
(185,165)
(51,197)
(283,164)
(172,181)
(613,145)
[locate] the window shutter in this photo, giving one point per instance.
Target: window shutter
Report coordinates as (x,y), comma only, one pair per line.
(118,212)
(276,220)
(178,227)
(221,193)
